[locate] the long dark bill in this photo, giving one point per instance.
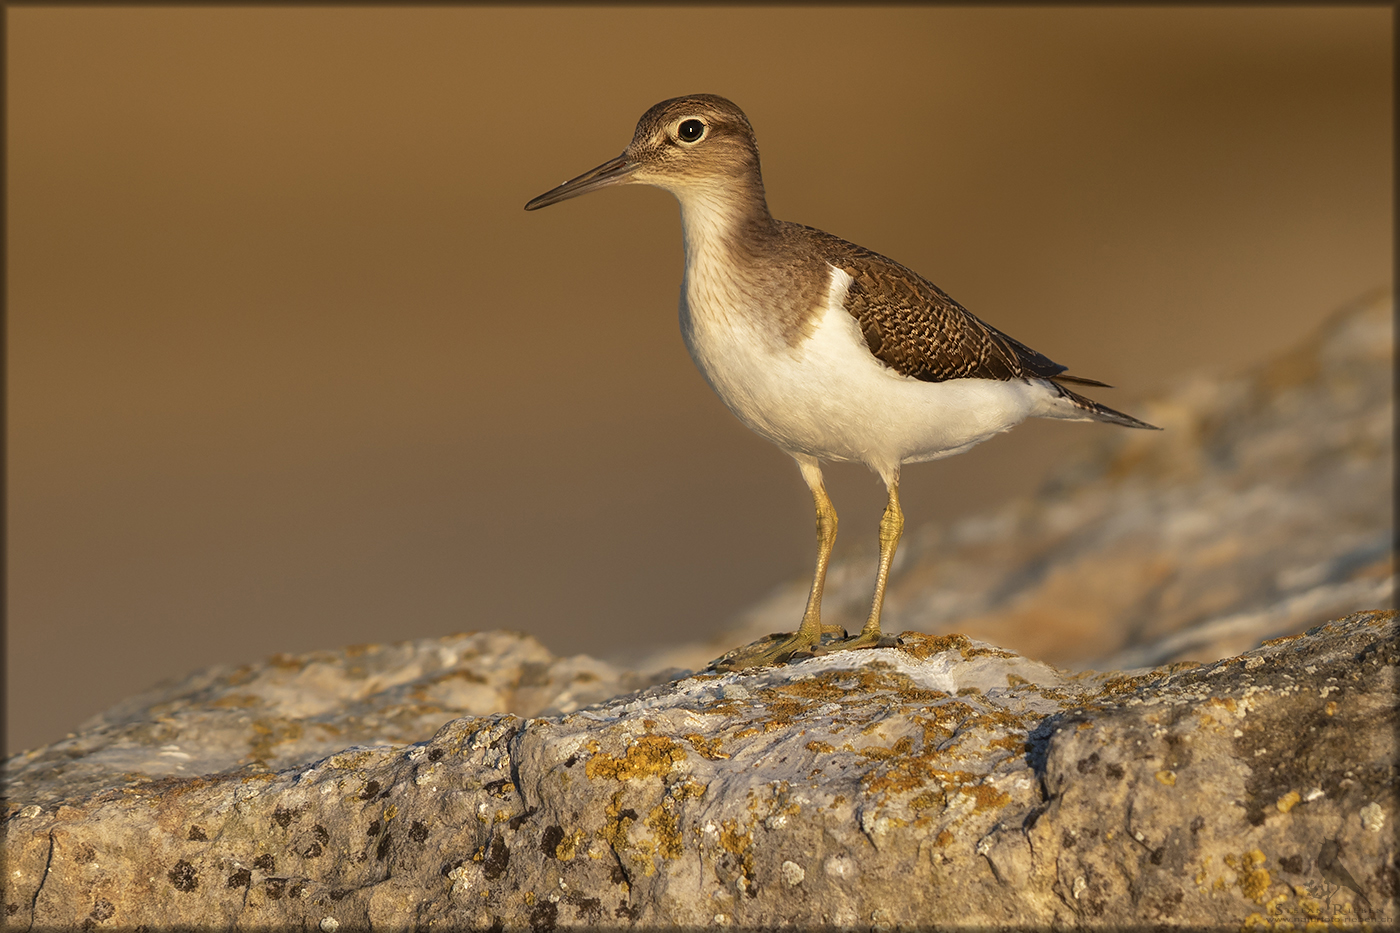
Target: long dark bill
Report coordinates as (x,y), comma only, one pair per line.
(611,172)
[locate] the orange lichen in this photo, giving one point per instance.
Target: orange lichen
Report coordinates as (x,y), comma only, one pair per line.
(1253,878)
(649,756)
(906,774)
(819,689)
(618,821)
(1116,686)
(567,847)
(783,710)
(664,824)
(1269,643)
(1012,742)
(971,653)
(902,747)
(922,646)
(708,748)
(986,796)
(683,790)
(741,844)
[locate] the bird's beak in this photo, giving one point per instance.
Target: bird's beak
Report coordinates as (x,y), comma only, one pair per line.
(611,172)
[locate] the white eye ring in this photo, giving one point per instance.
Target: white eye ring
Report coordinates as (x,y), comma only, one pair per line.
(691,130)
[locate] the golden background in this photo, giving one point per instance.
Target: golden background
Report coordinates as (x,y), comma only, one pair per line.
(290,367)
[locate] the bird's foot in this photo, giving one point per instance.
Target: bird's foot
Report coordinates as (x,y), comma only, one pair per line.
(783,647)
(868,638)
(780,648)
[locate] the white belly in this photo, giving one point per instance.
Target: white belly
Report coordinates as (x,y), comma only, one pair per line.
(830,398)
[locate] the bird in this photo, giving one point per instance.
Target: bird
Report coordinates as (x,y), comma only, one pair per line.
(1329,864)
(831,351)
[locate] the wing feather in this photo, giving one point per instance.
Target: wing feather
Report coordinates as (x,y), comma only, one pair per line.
(915,328)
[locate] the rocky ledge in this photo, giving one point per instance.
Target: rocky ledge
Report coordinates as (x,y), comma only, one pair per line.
(942,783)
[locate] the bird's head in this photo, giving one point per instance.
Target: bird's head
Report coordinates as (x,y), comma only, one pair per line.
(701,144)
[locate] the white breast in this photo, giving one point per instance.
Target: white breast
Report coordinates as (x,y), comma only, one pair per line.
(829,397)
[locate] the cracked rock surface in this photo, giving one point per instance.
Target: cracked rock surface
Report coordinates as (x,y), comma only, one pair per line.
(291,709)
(945,782)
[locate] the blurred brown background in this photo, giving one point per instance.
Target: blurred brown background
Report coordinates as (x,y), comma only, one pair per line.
(290,368)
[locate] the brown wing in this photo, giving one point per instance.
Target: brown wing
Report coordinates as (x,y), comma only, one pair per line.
(912,326)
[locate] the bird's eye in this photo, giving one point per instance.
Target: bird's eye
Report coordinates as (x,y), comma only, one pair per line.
(690,131)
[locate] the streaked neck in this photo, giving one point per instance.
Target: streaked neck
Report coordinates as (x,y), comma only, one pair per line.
(724,217)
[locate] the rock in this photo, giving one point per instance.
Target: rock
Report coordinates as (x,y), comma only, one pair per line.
(292,709)
(896,787)
(1265,507)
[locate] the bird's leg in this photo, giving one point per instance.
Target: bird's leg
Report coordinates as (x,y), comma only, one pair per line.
(826,538)
(891,526)
(808,636)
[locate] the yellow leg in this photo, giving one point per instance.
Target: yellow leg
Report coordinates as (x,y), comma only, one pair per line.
(809,634)
(891,527)
(826,538)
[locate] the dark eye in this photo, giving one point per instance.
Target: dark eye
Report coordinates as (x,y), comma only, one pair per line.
(690,130)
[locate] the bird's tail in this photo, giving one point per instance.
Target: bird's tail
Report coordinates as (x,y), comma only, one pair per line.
(1072,406)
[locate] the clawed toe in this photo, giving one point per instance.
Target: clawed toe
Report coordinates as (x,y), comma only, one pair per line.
(866,640)
(786,647)
(777,648)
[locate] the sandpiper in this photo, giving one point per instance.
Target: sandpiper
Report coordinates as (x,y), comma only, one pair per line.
(829,350)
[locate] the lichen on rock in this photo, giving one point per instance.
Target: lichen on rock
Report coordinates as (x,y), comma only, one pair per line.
(820,793)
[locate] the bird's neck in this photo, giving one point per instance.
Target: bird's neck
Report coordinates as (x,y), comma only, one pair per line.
(725,221)
(731,241)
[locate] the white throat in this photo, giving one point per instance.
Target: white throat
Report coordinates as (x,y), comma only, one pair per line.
(711,292)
